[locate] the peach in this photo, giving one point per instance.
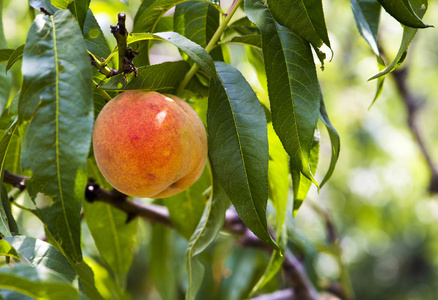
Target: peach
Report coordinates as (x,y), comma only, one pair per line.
(148,144)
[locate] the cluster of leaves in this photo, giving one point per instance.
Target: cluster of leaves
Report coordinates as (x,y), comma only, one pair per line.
(253,145)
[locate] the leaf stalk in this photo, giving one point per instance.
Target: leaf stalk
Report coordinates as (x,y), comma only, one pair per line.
(211,44)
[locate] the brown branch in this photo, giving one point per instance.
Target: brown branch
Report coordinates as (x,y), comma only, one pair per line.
(294,269)
(412,103)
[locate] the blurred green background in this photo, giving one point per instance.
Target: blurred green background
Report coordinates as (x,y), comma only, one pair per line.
(378,199)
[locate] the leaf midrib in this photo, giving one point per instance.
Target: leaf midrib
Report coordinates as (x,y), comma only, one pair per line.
(241,154)
(57,152)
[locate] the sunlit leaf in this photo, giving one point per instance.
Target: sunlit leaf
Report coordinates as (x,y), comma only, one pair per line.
(38,283)
(238,147)
(301,184)
(46,4)
(6,249)
(367,16)
(279,189)
(41,254)
(61,4)
(86,276)
(420,7)
(113,236)
(293,87)
(57,111)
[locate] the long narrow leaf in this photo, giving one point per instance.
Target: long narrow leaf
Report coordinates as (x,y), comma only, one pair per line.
(79,9)
(304,17)
(238,147)
(5,79)
(367,16)
(56,107)
(334,140)
(420,7)
(149,14)
(208,227)
(293,87)
(404,12)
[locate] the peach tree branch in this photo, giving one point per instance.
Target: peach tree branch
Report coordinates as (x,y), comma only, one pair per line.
(294,269)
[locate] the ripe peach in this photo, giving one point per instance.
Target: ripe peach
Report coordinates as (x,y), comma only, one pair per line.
(149,145)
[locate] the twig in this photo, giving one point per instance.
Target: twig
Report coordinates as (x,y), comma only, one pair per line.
(300,283)
(344,290)
(126,54)
(413,103)
(153,213)
(211,44)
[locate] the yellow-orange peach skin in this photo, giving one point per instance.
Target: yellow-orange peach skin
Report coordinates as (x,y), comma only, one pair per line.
(148,144)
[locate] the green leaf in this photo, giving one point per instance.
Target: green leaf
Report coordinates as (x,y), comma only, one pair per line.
(198,21)
(79,9)
(293,86)
(151,11)
(41,254)
(7,222)
(238,147)
(57,111)
(61,4)
(161,265)
(303,17)
(301,184)
(244,26)
(275,262)
(420,7)
(5,54)
(15,56)
(279,189)
(5,79)
(86,276)
(4,220)
(334,140)
(380,81)
(7,250)
(47,4)
(94,38)
(367,16)
(404,11)
(253,40)
(38,283)
(278,175)
(208,227)
(114,238)
(5,143)
(186,208)
(193,50)
(164,77)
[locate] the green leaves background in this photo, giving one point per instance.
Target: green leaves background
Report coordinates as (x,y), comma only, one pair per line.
(261,151)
